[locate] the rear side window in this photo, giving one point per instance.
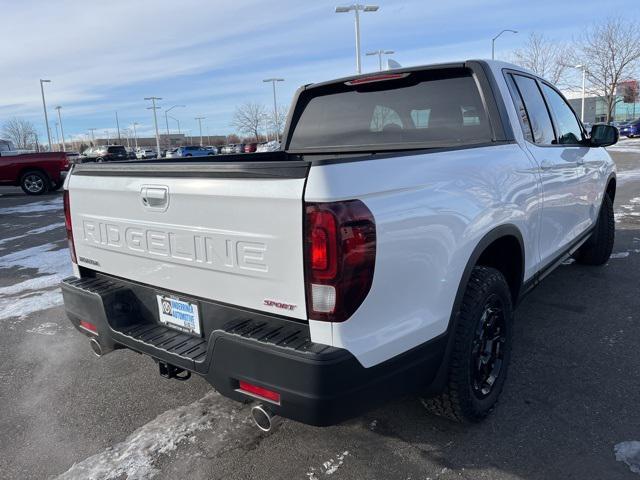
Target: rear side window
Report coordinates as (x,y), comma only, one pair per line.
(433,108)
(117,150)
(536,110)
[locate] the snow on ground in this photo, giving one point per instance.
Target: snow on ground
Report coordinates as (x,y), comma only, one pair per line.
(629,453)
(329,467)
(626,145)
(39,292)
(35,231)
(134,458)
(35,207)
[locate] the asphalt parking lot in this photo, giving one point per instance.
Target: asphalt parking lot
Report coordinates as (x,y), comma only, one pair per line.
(572,399)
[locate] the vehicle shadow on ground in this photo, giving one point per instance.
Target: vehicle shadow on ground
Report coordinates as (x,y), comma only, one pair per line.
(572,391)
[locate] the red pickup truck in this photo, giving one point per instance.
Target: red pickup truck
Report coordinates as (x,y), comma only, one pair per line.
(36,173)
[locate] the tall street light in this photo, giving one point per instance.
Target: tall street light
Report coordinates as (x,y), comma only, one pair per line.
(57,136)
(200,124)
(64,145)
(44,106)
(93,136)
(493,41)
(275,104)
(379,53)
(584,80)
(118,127)
(166,121)
(135,133)
(155,120)
(178,122)
(357,8)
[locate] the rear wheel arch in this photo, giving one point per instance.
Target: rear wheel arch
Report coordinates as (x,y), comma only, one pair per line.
(484,254)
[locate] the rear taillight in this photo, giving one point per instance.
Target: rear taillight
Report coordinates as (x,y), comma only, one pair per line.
(67,224)
(340,255)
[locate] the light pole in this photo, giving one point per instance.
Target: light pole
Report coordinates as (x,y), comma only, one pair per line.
(380,53)
(64,145)
(44,106)
(357,8)
(93,136)
(57,136)
(118,127)
(166,121)
(106,134)
(493,41)
(178,122)
(135,133)
(275,104)
(155,121)
(584,81)
(200,124)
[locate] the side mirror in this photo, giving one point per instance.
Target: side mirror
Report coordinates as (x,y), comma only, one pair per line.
(603,135)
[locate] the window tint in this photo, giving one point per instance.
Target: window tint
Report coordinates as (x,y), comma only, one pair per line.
(117,150)
(569,131)
(436,108)
(537,113)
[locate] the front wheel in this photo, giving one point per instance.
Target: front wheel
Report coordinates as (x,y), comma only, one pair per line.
(597,250)
(481,351)
(34,183)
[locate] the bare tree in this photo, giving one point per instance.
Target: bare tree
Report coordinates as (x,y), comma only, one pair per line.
(20,132)
(543,57)
(611,54)
(283,111)
(248,118)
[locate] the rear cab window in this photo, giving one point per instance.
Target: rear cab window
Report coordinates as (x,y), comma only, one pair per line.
(433,108)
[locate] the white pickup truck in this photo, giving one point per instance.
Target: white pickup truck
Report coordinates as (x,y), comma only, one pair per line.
(381,252)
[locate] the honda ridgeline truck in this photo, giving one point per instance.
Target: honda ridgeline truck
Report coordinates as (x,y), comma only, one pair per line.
(381,252)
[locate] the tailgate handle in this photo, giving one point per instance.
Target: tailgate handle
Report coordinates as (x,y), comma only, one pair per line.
(155,197)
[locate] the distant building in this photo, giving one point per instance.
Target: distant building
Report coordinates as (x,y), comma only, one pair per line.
(595,109)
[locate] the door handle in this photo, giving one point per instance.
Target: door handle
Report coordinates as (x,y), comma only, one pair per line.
(545,165)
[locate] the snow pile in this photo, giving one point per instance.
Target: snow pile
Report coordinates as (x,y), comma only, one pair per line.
(133,458)
(629,453)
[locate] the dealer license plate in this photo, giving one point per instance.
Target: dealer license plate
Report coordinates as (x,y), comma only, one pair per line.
(178,314)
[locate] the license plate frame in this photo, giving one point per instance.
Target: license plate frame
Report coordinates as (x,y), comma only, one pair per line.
(179,314)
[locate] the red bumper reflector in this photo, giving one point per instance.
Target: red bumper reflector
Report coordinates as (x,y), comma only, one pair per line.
(260,392)
(88,326)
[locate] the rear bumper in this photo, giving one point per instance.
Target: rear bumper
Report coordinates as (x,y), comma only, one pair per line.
(318,385)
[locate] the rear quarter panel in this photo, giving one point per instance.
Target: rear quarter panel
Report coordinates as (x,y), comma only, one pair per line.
(431,210)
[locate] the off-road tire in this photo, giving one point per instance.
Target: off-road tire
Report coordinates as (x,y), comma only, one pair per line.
(597,249)
(458,402)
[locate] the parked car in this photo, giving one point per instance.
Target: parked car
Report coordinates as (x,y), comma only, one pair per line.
(228,149)
(131,153)
(143,153)
(104,153)
(631,129)
(239,148)
(272,146)
(250,147)
(35,173)
(191,151)
(212,148)
(380,253)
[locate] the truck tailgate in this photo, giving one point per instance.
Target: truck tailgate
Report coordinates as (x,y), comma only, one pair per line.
(230,233)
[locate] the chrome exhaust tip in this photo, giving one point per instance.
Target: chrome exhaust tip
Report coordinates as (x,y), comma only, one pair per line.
(263,418)
(95,346)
